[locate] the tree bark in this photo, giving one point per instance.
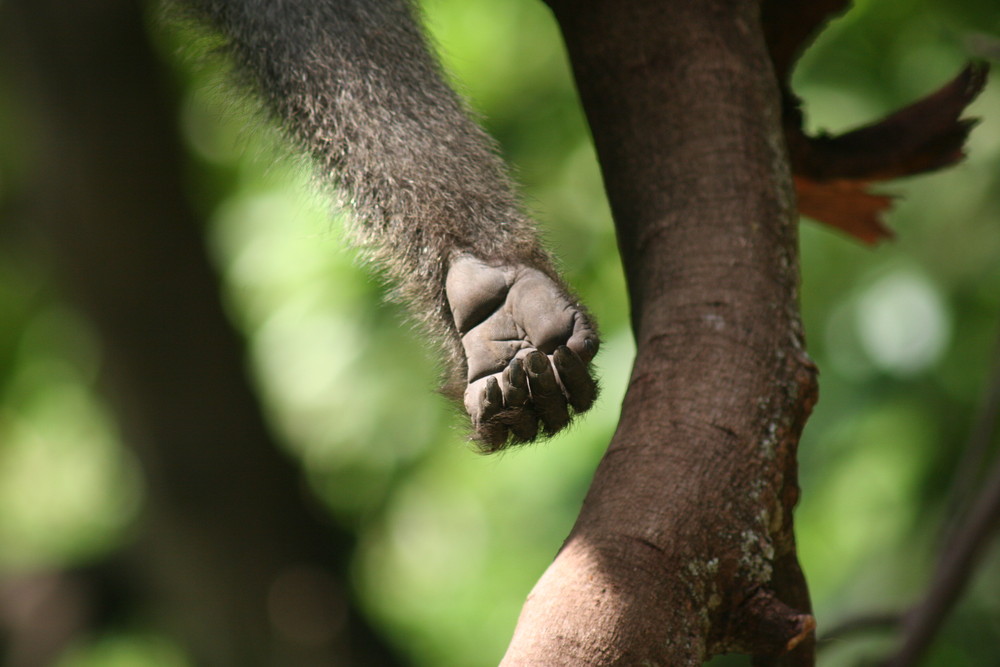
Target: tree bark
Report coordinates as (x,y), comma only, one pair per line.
(684,546)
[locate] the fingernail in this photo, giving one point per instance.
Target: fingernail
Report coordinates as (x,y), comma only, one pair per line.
(493,393)
(537,362)
(516,372)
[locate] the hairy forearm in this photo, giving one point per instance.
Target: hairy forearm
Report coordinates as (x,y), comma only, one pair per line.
(354,84)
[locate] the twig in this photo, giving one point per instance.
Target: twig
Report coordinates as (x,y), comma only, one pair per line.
(976,453)
(962,551)
(872,622)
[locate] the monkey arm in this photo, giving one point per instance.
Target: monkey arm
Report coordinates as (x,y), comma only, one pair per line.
(354,84)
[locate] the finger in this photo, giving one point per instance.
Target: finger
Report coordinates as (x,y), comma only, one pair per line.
(523,425)
(515,385)
(491,436)
(492,400)
(580,387)
(584,341)
(490,432)
(482,401)
(547,397)
(584,345)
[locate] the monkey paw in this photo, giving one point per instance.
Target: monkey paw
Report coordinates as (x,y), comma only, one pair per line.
(527,344)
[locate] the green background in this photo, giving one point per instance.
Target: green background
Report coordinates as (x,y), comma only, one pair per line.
(451,542)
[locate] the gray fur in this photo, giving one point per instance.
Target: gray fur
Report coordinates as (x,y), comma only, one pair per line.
(354,84)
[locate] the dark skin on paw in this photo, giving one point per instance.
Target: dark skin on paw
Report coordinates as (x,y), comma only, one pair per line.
(528,345)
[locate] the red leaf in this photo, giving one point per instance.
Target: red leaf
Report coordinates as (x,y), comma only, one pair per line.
(845,205)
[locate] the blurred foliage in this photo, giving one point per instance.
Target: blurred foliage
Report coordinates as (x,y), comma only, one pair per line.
(451,542)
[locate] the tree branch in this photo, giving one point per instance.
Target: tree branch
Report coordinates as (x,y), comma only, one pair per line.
(833,172)
(684,546)
(963,549)
(976,453)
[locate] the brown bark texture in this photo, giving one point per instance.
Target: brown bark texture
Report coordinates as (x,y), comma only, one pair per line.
(229,556)
(684,546)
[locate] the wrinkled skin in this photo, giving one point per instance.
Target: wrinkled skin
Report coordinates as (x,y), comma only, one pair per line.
(528,345)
